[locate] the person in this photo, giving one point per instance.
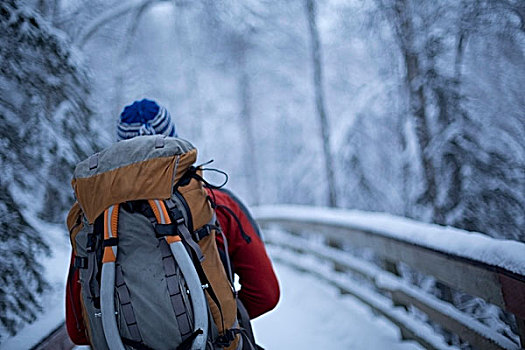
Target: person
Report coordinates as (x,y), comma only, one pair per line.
(241,238)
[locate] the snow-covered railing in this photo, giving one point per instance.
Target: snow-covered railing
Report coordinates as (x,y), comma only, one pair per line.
(475,264)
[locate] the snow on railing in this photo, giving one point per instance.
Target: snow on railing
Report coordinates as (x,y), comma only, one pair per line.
(478,265)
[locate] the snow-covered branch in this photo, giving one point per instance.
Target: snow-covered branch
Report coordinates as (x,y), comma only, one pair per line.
(116,12)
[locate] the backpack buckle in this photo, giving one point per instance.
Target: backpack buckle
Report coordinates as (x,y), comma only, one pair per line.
(91,242)
(93,161)
(80,262)
(203,232)
(227,338)
(223,341)
(159,142)
(177,216)
(110,242)
(163,230)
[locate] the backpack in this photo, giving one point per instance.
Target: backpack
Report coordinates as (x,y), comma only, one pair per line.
(143,236)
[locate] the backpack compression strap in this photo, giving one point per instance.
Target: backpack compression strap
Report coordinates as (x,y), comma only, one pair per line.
(200,308)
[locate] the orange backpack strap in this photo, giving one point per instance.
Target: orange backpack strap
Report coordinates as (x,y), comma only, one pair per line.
(110,234)
(163,218)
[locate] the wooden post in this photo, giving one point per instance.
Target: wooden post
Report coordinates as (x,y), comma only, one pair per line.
(513,290)
(521,330)
(391,267)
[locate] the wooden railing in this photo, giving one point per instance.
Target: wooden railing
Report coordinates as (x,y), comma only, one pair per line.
(388,293)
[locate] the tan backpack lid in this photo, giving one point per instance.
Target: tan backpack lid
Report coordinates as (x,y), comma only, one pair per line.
(144,167)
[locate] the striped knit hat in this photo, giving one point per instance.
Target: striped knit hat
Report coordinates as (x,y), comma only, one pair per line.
(144,117)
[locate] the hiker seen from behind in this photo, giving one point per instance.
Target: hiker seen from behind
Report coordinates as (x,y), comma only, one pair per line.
(155,247)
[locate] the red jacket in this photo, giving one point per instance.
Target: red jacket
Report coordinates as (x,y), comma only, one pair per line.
(259,287)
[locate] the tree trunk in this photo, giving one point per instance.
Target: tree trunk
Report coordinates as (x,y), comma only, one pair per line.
(193,93)
(418,112)
(417,99)
(460,51)
(451,107)
(319,100)
(405,167)
(245,99)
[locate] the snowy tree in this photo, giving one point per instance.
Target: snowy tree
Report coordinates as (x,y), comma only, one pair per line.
(45,116)
(20,273)
(360,190)
(468,182)
(464,109)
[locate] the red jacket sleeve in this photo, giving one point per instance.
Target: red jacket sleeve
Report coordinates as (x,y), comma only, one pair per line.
(259,286)
(74,320)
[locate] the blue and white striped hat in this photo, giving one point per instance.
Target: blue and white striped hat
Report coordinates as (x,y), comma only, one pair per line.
(144,117)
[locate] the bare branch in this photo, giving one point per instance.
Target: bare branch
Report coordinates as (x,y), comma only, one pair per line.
(116,12)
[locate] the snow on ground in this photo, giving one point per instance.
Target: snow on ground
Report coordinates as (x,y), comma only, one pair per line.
(313,315)
(53,301)
(506,254)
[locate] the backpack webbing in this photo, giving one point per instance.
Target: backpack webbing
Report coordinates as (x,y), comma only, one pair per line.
(127,308)
(170,270)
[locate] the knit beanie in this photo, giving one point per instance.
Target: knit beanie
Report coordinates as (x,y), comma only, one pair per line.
(144,117)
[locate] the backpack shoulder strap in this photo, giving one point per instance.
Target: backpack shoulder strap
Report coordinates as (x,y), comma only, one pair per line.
(107,279)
